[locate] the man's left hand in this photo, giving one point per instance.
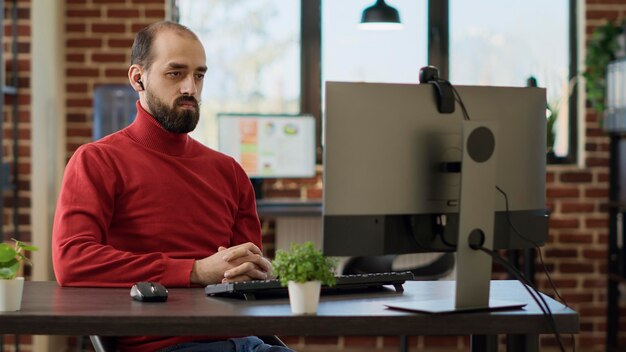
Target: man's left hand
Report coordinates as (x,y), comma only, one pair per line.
(248,263)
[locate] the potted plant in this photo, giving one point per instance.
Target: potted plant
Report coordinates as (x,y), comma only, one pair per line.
(11,287)
(303,270)
(604,47)
(552,114)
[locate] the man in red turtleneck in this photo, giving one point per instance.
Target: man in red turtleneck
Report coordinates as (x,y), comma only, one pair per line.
(149,203)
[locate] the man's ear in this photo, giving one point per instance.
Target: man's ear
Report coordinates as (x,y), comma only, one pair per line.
(134,77)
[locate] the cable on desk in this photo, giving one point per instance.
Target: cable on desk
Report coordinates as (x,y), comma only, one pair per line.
(535,294)
(538,250)
(543,265)
(440,224)
(510,268)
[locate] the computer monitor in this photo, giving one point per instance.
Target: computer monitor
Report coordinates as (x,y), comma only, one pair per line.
(269,146)
(393,162)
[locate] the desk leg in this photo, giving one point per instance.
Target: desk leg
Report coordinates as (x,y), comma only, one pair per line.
(487,343)
(522,343)
(404,343)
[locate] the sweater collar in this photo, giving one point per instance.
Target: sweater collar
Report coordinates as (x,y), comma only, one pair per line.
(147,131)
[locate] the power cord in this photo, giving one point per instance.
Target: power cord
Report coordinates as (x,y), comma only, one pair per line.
(508,213)
(506,264)
(543,265)
(440,225)
(538,250)
(460,101)
(510,268)
(535,294)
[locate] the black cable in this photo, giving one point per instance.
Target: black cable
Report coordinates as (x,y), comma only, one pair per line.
(440,228)
(538,250)
(443,239)
(543,265)
(543,305)
(534,294)
(458,99)
(504,263)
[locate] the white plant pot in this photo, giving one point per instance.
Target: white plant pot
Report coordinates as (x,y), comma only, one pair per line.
(11,294)
(304,297)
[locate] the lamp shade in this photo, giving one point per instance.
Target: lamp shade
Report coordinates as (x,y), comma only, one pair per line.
(380,16)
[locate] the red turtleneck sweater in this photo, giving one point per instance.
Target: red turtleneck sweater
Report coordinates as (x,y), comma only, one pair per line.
(141,205)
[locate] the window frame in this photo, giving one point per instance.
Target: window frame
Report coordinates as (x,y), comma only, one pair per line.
(438,55)
(311,67)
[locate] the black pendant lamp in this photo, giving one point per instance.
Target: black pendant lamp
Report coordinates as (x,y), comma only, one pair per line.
(380,16)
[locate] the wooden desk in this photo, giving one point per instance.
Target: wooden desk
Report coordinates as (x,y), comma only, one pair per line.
(51,310)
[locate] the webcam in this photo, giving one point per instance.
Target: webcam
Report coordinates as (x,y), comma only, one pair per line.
(443,88)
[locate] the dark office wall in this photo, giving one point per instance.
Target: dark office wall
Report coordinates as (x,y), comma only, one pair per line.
(98,36)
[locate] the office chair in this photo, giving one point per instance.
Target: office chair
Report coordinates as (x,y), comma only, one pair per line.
(108,343)
(437,269)
(103,343)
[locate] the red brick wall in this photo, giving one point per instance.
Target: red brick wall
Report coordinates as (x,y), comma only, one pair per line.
(23,122)
(577,251)
(99,34)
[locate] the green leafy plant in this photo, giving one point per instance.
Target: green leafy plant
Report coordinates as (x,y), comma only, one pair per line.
(11,257)
(552,115)
(304,263)
(601,50)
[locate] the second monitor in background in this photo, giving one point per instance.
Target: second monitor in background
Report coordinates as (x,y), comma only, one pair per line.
(269,146)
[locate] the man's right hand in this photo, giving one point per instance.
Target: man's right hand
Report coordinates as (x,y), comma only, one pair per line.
(237,263)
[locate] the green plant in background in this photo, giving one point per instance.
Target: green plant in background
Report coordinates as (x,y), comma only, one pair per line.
(601,50)
(304,263)
(11,257)
(552,114)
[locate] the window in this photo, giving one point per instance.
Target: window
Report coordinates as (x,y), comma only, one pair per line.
(264,57)
(253,58)
(492,43)
(352,54)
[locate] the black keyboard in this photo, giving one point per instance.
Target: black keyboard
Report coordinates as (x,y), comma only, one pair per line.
(345,284)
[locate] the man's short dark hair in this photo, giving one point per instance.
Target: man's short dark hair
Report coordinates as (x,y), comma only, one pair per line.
(141,52)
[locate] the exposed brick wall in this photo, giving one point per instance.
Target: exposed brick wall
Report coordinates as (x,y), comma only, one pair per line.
(23,122)
(99,34)
(577,250)
(308,188)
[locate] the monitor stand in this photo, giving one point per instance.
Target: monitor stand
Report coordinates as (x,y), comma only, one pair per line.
(476,223)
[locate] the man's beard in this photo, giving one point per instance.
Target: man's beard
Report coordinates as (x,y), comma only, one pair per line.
(182,121)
